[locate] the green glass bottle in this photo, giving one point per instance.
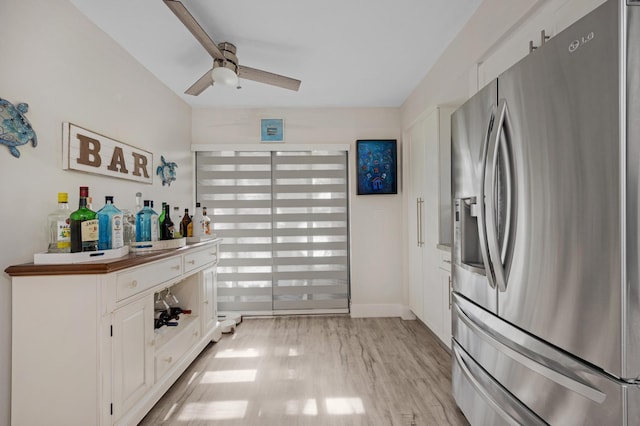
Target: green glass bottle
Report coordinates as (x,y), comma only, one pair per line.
(84,225)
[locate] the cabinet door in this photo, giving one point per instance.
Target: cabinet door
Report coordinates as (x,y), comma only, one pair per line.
(445,283)
(209,305)
(415,144)
(133,338)
(431,256)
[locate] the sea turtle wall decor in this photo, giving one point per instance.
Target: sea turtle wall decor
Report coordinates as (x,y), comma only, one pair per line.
(166,171)
(15,129)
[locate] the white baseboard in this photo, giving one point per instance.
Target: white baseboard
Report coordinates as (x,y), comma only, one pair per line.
(361,310)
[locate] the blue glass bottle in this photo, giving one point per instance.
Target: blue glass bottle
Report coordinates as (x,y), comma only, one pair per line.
(110,226)
(146,223)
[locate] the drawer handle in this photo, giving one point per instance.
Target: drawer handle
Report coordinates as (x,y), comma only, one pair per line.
(133,284)
(169,360)
(206,302)
(177,267)
(191,262)
(195,333)
(212,254)
(152,343)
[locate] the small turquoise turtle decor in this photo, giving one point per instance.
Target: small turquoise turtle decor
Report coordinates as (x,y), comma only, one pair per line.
(15,129)
(166,171)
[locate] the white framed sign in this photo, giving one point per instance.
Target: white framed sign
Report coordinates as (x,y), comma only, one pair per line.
(90,152)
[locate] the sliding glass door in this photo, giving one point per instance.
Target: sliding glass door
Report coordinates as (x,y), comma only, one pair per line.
(283,217)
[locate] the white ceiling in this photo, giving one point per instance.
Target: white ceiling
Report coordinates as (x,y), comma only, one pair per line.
(348,53)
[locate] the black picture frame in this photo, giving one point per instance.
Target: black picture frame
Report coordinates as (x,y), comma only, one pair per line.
(377,166)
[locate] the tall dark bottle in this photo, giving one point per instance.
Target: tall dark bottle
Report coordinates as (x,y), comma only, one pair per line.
(166,226)
(83,225)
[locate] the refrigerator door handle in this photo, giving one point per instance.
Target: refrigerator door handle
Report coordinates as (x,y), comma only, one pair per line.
(497,144)
(482,220)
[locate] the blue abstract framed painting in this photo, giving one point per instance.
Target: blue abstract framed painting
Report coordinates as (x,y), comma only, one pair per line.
(377,166)
(272,130)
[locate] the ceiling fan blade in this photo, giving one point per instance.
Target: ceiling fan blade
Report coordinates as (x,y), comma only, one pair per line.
(268,78)
(192,25)
(199,86)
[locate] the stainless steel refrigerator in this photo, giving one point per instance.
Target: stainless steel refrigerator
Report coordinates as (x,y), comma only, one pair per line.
(545,186)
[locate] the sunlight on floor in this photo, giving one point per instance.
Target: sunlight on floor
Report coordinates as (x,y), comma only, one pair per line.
(170,413)
(245,353)
(215,410)
(296,407)
(229,376)
(286,351)
(344,406)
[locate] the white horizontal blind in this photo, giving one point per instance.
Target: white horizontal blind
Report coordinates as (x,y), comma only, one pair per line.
(284,222)
(236,189)
(310,230)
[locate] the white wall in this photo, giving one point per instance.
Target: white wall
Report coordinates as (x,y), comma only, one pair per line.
(68,70)
(376,221)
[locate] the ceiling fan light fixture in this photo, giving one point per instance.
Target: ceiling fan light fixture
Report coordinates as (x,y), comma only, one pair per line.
(224,73)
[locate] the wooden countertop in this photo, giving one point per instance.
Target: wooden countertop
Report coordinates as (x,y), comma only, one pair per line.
(102,267)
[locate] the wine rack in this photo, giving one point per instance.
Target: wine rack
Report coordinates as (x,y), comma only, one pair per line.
(186,293)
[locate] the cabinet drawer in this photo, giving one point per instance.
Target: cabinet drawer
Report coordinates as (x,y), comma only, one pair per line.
(133,282)
(172,351)
(200,258)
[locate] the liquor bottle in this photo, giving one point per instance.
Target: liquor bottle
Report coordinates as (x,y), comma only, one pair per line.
(129,226)
(155,231)
(161,218)
(110,220)
(184,224)
(146,223)
(166,227)
(138,201)
(206,224)
(58,221)
(198,222)
(177,233)
(83,225)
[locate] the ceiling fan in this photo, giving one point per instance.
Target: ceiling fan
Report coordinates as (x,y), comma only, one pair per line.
(226,69)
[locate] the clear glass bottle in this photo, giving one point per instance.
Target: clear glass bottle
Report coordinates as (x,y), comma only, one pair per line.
(83,225)
(198,222)
(110,221)
(177,231)
(155,231)
(129,226)
(146,223)
(138,201)
(206,222)
(58,225)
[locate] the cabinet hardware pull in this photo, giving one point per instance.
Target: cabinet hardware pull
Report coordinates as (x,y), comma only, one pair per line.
(177,267)
(133,284)
(169,360)
(206,302)
(195,334)
(152,343)
(191,262)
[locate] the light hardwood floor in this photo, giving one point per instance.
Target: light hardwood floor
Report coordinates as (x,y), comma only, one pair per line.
(316,370)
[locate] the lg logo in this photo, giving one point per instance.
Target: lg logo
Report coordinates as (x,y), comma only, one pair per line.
(575,44)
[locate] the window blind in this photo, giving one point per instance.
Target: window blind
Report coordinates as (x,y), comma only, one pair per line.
(283,217)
